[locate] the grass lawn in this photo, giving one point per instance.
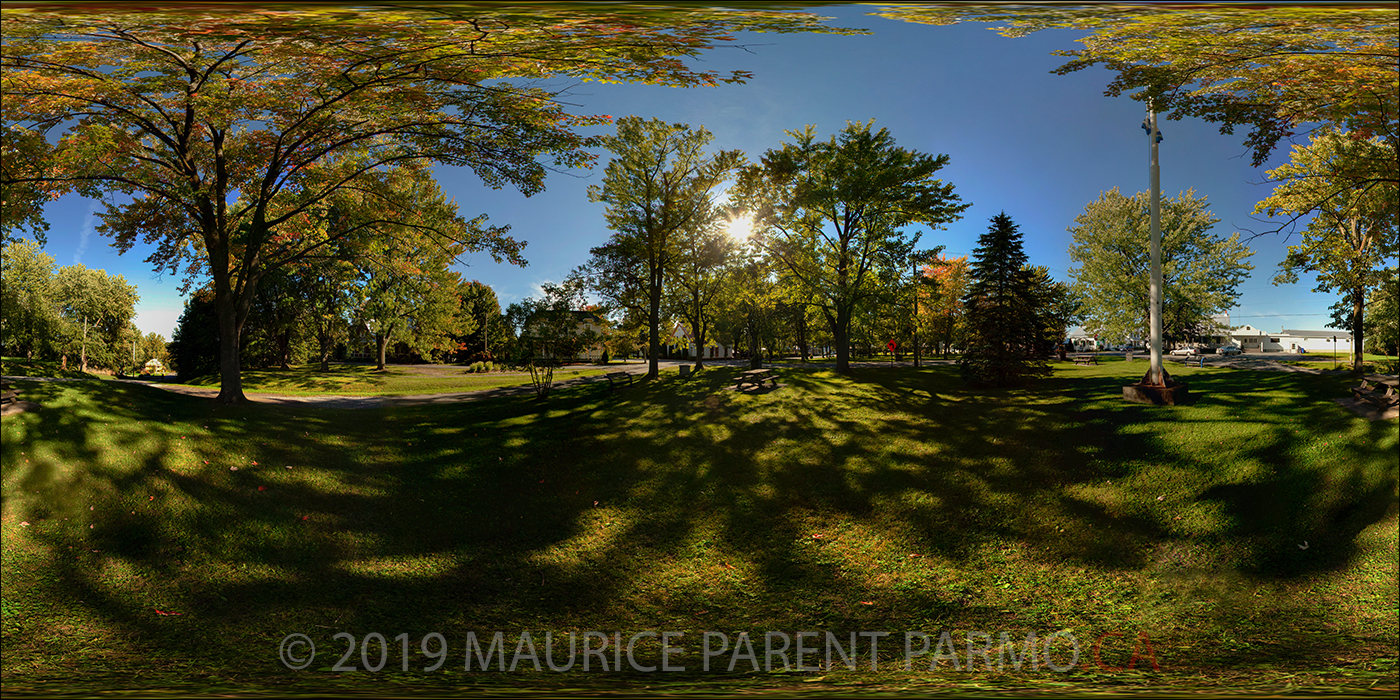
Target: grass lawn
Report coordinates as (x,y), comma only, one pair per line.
(21,367)
(157,541)
(395,380)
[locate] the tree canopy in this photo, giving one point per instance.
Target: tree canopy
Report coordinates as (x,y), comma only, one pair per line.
(213,131)
(1275,68)
(1353,231)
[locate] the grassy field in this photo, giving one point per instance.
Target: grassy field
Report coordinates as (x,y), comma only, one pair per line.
(157,541)
(395,380)
(21,367)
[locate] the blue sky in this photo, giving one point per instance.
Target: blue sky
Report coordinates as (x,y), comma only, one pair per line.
(1021,140)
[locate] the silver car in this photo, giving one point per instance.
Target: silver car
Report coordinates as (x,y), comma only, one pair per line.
(1227,350)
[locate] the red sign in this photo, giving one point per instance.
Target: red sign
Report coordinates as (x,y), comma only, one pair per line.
(891,345)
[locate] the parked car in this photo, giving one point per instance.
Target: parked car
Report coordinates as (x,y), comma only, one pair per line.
(1228,350)
(1183,351)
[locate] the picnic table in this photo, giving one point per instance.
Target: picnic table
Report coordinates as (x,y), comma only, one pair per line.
(1373,394)
(1085,359)
(757,377)
(8,394)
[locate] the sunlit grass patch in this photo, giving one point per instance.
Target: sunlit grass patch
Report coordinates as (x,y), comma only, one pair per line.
(393,380)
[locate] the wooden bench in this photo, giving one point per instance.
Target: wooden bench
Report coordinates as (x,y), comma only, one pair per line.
(756,377)
(1085,359)
(617,378)
(8,396)
(1371,393)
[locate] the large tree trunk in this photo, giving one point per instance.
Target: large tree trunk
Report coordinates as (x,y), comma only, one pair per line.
(83,350)
(841,333)
(230,370)
(654,324)
(755,359)
(1358,308)
(802,334)
(381,342)
(325,341)
(284,349)
(697,329)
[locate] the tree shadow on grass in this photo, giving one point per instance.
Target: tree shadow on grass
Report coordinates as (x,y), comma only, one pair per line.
(670,505)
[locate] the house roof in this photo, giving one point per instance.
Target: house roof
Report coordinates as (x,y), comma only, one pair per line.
(1341,335)
(587,316)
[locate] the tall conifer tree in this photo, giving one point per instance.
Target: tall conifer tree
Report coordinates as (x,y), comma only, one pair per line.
(1000,344)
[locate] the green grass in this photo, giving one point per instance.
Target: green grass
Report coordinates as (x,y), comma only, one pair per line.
(890,500)
(394,380)
(21,367)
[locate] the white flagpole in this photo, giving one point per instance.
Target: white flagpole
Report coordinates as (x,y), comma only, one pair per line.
(1155,301)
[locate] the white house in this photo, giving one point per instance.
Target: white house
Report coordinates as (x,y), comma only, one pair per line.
(680,341)
(1251,339)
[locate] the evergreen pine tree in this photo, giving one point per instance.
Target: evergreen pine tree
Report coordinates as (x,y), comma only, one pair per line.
(1000,343)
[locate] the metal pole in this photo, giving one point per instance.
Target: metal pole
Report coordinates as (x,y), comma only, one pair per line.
(1155,301)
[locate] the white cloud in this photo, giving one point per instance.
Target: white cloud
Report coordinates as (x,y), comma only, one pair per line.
(84,235)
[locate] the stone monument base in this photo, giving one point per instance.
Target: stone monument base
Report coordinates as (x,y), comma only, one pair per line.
(1170,393)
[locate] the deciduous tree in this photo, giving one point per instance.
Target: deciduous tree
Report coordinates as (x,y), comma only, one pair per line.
(941,306)
(835,212)
(480,316)
(1353,231)
(704,258)
(1383,315)
(97,308)
(551,328)
(659,188)
(1201,272)
(410,296)
(29,320)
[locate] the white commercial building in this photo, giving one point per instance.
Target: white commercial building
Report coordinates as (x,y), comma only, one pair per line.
(1251,339)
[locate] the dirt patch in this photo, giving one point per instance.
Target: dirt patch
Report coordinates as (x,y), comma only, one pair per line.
(18,407)
(1368,410)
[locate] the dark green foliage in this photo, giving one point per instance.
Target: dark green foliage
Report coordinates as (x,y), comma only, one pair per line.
(276,332)
(1002,340)
(194,346)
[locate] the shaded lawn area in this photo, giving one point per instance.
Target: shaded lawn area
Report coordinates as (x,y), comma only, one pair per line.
(1252,536)
(23,367)
(394,380)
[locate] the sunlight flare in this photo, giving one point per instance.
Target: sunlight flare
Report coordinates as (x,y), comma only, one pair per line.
(740,227)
